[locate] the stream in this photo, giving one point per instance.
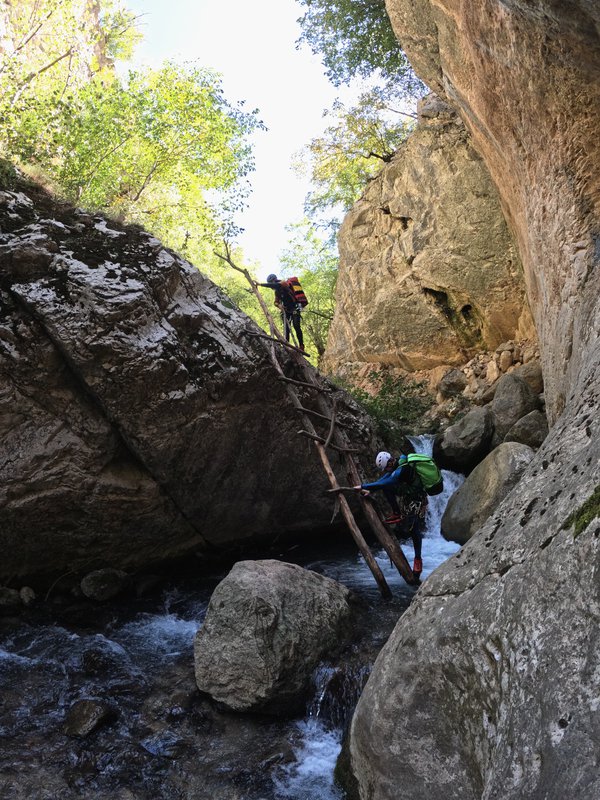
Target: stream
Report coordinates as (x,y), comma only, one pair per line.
(164,741)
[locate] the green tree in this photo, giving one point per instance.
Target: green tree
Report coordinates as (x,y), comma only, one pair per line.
(351,152)
(55,46)
(355,39)
(154,148)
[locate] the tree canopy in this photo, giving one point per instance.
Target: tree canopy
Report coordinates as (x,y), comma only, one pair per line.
(163,147)
(352,150)
(355,39)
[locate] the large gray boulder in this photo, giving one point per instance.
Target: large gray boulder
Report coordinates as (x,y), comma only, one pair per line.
(531,373)
(531,430)
(267,626)
(513,399)
(463,445)
(480,494)
(138,422)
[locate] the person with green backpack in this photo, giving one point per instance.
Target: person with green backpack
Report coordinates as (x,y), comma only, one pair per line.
(413,478)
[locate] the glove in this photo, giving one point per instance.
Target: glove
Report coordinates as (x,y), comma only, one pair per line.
(298,308)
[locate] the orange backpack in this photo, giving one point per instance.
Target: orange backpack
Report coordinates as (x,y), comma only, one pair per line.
(298,291)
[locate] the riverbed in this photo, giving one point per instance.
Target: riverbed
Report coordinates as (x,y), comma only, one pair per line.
(164,741)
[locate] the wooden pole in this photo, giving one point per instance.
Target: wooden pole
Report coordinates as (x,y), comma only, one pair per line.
(289,387)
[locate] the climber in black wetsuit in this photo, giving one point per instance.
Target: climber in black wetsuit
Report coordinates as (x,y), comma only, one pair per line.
(285,300)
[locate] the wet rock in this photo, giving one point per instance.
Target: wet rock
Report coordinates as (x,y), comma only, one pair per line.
(531,430)
(463,445)
(10,600)
(104,584)
(166,744)
(488,484)
(267,626)
(452,383)
(86,716)
(133,406)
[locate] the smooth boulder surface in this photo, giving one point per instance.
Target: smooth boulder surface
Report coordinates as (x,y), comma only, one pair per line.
(489,483)
(463,445)
(513,399)
(531,430)
(140,419)
(267,626)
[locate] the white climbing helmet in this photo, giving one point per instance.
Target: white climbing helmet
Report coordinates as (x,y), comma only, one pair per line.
(382,459)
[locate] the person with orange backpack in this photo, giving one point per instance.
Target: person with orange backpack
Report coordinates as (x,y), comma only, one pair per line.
(290,300)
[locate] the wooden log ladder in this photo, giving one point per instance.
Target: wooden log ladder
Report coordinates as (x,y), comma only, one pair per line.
(326,412)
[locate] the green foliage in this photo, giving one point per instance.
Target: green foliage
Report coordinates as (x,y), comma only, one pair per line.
(583,516)
(352,151)
(162,148)
(149,148)
(8,175)
(397,405)
(56,46)
(314,261)
(355,39)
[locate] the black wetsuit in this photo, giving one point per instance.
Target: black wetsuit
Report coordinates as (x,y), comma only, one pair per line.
(405,482)
(290,310)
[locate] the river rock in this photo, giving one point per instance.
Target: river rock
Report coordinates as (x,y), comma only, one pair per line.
(86,716)
(531,430)
(488,484)
(104,584)
(463,445)
(513,399)
(267,626)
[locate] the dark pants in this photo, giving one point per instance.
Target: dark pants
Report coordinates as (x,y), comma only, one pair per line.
(412,511)
(293,318)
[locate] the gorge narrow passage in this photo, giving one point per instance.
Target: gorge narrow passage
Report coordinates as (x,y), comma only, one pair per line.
(167,742)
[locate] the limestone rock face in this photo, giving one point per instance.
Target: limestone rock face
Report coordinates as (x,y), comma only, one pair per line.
(488,687)
(428,271)
(137,421)
(525,82)
(267,626)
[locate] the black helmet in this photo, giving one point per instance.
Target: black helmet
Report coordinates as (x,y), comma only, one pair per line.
(272,278)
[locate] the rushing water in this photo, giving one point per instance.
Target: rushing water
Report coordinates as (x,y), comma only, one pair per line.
(168,743)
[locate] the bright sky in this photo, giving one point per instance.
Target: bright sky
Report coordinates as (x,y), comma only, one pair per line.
(252,44)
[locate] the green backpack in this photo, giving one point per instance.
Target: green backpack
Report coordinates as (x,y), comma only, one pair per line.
(428,472)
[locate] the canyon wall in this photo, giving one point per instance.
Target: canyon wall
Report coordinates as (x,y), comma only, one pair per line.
(429,273)
(488,687)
